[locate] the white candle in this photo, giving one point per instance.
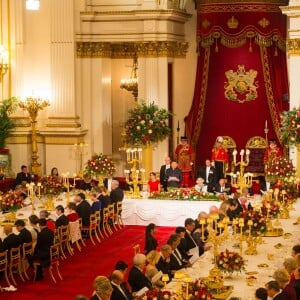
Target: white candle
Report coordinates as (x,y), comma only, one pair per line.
(266,124)
(74,177)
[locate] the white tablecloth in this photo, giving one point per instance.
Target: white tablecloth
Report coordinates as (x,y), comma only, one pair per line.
(162,212)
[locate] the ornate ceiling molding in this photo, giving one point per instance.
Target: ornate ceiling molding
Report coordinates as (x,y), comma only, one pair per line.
(130,49)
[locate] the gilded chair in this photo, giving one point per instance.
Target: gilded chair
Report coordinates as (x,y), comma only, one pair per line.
(257,146)
(75,234)
(54,262)
(15,263)
(64,244)
(111,216)
(4,266)
(92,229)
(27,251)
(98,220)
(105,222)
(80,227)
(118,214)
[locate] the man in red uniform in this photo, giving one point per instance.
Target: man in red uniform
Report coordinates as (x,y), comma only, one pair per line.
(272,152)
(184,155)
(220,158)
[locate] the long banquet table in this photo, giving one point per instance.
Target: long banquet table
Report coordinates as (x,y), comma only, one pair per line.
(162,212)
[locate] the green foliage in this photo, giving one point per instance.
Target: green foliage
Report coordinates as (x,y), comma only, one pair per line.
(290,127)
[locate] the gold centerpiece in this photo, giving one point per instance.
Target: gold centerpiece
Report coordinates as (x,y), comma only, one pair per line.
(33,106)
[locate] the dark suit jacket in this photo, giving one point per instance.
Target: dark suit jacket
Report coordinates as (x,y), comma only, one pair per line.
(84,211)
(163,266)
(25,236)
(105,200)
(212,179)
(116,195)
(296,286)
(175,262)
(42,248)
(280,296)
(11,241)
(181,247)
(227,189)
(174,173)
(118,295)
(163,177)
(62,220)
(23,177)
(138,280)
(232,214)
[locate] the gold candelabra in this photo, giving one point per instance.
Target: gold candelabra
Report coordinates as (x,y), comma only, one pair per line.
(33,106)
(67,185)
(131,84)
(134,158)
(80,151)
(4,59)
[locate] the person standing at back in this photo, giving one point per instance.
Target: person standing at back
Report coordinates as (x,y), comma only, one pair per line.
(163,172)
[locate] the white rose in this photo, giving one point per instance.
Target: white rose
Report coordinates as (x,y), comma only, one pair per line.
(138,127)
(149,131)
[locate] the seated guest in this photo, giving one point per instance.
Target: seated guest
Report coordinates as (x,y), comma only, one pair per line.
(151,270)
(96,205)
(234,209)
(150,240)
(116,193)
(153,184)
(136,277)
(62,219)
(24,234)
(33,222)
(261,294)
(213,210)
(222,187)
(102,288)
(274,291)
(42,248)
(290,264)
(23,176)
(44,214)
(176,260)
(200,186)
(55,175)
(10,241)
(121,266)
(173,176)
(244,199)
(83,209)
(182,244)
(223,210)
(295,250)
(197,232)
(102,196)
(86,183)
(117,282)
(163,263)
(189,225)
(283,278)
(72,215)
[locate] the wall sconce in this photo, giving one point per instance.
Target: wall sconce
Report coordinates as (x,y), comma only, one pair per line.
(131,84)
(32,4)
(3,61)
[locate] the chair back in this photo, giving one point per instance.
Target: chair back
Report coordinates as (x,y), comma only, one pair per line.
(64,233)
(75,231)
(3,261)
(105,215)
(80,223)
(111,211)
(56,236)
(54,254)
(15,256)
(98,217)
(27,249)
(119,207)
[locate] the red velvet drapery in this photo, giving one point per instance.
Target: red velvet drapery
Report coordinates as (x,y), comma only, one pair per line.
(249,35)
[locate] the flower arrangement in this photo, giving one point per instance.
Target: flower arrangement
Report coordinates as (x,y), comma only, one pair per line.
(290,127)
(100,164)
(271,209)
(147,124)
(7,107)
(280,168)
(11,201)
(183,194)
(199,290)
(50,185)
(230,262)
(258,227)
(158,295)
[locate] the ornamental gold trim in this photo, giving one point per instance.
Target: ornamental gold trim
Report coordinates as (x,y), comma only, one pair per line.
(257,142)
(211,7)
(293,46)
(269,2)
(131,49)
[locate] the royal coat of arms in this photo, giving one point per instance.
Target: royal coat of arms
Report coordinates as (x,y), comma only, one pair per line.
(241,85)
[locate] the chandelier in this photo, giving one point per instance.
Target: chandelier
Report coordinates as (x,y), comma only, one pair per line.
(3,61)
(32,4)
(131,84)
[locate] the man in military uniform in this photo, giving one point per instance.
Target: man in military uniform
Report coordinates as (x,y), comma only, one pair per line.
(184,155)
(220,158)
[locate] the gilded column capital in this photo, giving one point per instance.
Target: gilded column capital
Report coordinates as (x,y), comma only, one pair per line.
(130,49)
(293,46)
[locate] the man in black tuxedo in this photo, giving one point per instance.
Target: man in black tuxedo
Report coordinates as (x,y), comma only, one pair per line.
(119,292)
(24,234)
(222,187)
(11,241)
(136,277)
(116,193)
(189,225)
(23,176)
(274,291)
(162,173)
(83,209)
(62,219)
(234,210)
(174,175)
(163,263)
(42,248)
(208,173)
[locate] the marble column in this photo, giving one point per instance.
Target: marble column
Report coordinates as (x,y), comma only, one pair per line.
(293,52)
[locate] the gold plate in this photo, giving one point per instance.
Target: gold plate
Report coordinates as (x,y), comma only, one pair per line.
(263,265)
(251,273)
(278,246)
(287,235)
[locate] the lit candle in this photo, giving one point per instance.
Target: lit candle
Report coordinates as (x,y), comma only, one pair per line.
(266,124)
(234,153)
(74,179)
(39,189)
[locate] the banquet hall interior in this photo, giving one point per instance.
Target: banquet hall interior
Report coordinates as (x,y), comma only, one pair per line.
(75,76)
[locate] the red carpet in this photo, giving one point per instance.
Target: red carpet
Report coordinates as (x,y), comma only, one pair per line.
(79,271)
